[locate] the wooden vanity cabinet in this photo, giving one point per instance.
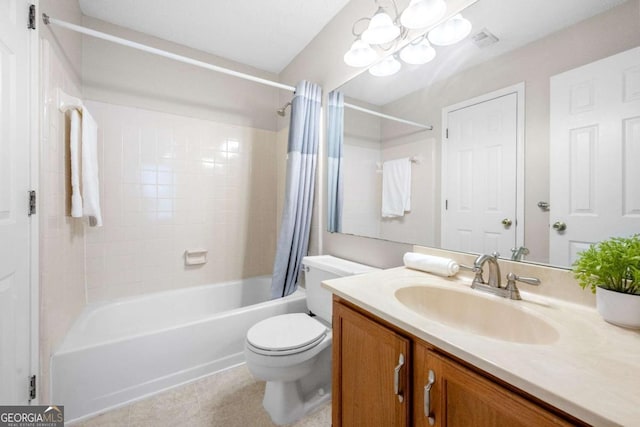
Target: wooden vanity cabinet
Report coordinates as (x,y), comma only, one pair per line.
(370,382)
(365,360)
(459,396)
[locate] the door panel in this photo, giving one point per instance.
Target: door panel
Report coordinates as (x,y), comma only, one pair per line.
(595,152)
(14,185)
(479,177)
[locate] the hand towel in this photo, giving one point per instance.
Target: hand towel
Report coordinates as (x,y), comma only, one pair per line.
(90,182)
(74,153)
(431,264)
(396,187)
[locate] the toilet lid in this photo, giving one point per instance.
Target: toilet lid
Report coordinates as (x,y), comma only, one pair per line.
(286,332)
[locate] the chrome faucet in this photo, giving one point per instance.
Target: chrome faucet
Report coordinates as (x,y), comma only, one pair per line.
(493,284)
(518,253)
(494,280)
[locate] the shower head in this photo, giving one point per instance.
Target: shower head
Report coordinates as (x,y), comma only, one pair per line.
(281,111)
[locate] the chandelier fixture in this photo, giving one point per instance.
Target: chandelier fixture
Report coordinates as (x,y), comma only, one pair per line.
(385,30)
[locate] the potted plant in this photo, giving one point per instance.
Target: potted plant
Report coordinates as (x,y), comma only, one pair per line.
(611,269)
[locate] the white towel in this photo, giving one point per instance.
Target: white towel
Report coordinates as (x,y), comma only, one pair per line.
(90,181)
(431,264)
(396,187)
(74,151)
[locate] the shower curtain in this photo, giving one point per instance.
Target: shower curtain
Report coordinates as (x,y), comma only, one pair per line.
(335,135)
(302,153)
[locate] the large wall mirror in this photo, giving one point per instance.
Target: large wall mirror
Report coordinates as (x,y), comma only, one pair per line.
(535,139)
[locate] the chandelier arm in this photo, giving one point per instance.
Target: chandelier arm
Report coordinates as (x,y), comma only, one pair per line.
(353,27)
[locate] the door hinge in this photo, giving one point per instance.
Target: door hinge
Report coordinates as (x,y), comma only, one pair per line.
(32,202)
(32,387)
(32,17)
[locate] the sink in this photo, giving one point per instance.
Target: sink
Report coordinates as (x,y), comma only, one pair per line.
(477,314)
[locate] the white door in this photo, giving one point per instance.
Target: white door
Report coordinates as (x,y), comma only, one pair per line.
(14,186)
(595,154)
(479,177)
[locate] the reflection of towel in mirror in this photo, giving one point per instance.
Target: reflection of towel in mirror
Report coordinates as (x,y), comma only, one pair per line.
(396,187)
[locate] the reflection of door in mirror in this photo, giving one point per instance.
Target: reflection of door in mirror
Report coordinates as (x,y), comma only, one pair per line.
(595,154)
(479,176)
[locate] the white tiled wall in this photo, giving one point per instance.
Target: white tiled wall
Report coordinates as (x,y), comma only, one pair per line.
(62,271)
(171,183)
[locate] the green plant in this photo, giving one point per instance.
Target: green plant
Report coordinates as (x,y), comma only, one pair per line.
(612,264)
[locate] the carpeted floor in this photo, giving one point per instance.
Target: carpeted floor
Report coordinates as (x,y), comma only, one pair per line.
(227,399)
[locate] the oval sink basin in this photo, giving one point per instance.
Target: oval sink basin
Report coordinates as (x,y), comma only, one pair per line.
(477,314)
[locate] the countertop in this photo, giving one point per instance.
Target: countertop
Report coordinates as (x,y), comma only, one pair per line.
(592,370)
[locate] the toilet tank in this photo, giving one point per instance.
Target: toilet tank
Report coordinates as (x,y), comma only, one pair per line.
(326,267)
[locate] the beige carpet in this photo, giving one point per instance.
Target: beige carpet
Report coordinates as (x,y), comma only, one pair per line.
(228,399)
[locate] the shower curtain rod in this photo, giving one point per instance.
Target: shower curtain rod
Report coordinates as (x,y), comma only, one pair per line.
(139,46)
(386,116)
(88,31)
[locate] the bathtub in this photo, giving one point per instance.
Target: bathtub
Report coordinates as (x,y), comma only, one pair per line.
(125,349)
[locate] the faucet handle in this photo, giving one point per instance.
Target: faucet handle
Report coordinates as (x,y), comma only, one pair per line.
(514,292)
(512,278)
(495,254)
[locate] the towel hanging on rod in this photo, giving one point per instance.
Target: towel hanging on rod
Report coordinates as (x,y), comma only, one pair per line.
(66,102)
(83,141)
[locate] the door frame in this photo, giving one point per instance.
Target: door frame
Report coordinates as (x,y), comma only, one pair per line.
(35,103)
(519,90)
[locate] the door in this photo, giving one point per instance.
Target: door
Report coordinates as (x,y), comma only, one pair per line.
(15,326)
(370,372)
(595,153)
(449,395)
(479,176)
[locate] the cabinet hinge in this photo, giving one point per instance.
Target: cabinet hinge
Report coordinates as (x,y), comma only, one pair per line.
(32,387)
(446,204)
(32,202)
(32,17)
(446,132)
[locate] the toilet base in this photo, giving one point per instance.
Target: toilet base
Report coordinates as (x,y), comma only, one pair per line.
(285,403)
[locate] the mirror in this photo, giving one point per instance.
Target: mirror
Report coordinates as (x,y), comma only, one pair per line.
(560,59)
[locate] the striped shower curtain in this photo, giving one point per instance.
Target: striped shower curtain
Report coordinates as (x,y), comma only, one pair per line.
(335,136)
(302,154)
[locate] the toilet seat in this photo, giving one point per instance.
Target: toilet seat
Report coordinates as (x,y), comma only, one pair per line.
(285,334)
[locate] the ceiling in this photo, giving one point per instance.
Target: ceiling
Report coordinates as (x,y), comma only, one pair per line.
(264,34)
(515,23)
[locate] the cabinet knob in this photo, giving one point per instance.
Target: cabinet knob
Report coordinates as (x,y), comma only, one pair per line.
(427,398)
(396,378)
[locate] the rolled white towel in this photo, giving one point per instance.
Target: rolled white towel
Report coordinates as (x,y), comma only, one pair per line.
(431,264)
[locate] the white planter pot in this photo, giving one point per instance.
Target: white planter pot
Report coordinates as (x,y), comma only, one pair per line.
(618,308)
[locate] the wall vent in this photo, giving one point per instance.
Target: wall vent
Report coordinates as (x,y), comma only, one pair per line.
(484,38)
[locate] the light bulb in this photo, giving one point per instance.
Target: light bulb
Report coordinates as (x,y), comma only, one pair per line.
(450,32)
(386,67)
(422,13)
(418,53)
(381,29)
(360,55)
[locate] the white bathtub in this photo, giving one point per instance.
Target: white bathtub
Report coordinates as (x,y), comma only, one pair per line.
(126,349)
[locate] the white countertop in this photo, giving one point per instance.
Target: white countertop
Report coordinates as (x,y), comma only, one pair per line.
(592,371)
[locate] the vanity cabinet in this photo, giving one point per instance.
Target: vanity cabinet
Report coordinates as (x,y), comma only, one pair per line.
(446,393)
(370,372)
(372,388)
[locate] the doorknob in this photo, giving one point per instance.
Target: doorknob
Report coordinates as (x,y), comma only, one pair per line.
(559,226)
(507,222)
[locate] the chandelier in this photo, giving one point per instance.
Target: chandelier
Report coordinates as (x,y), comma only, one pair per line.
(387,27)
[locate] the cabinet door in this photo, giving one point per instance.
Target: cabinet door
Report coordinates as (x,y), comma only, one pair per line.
(461,397)
(370,379)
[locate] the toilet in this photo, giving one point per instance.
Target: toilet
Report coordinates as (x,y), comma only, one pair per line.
(292,352)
